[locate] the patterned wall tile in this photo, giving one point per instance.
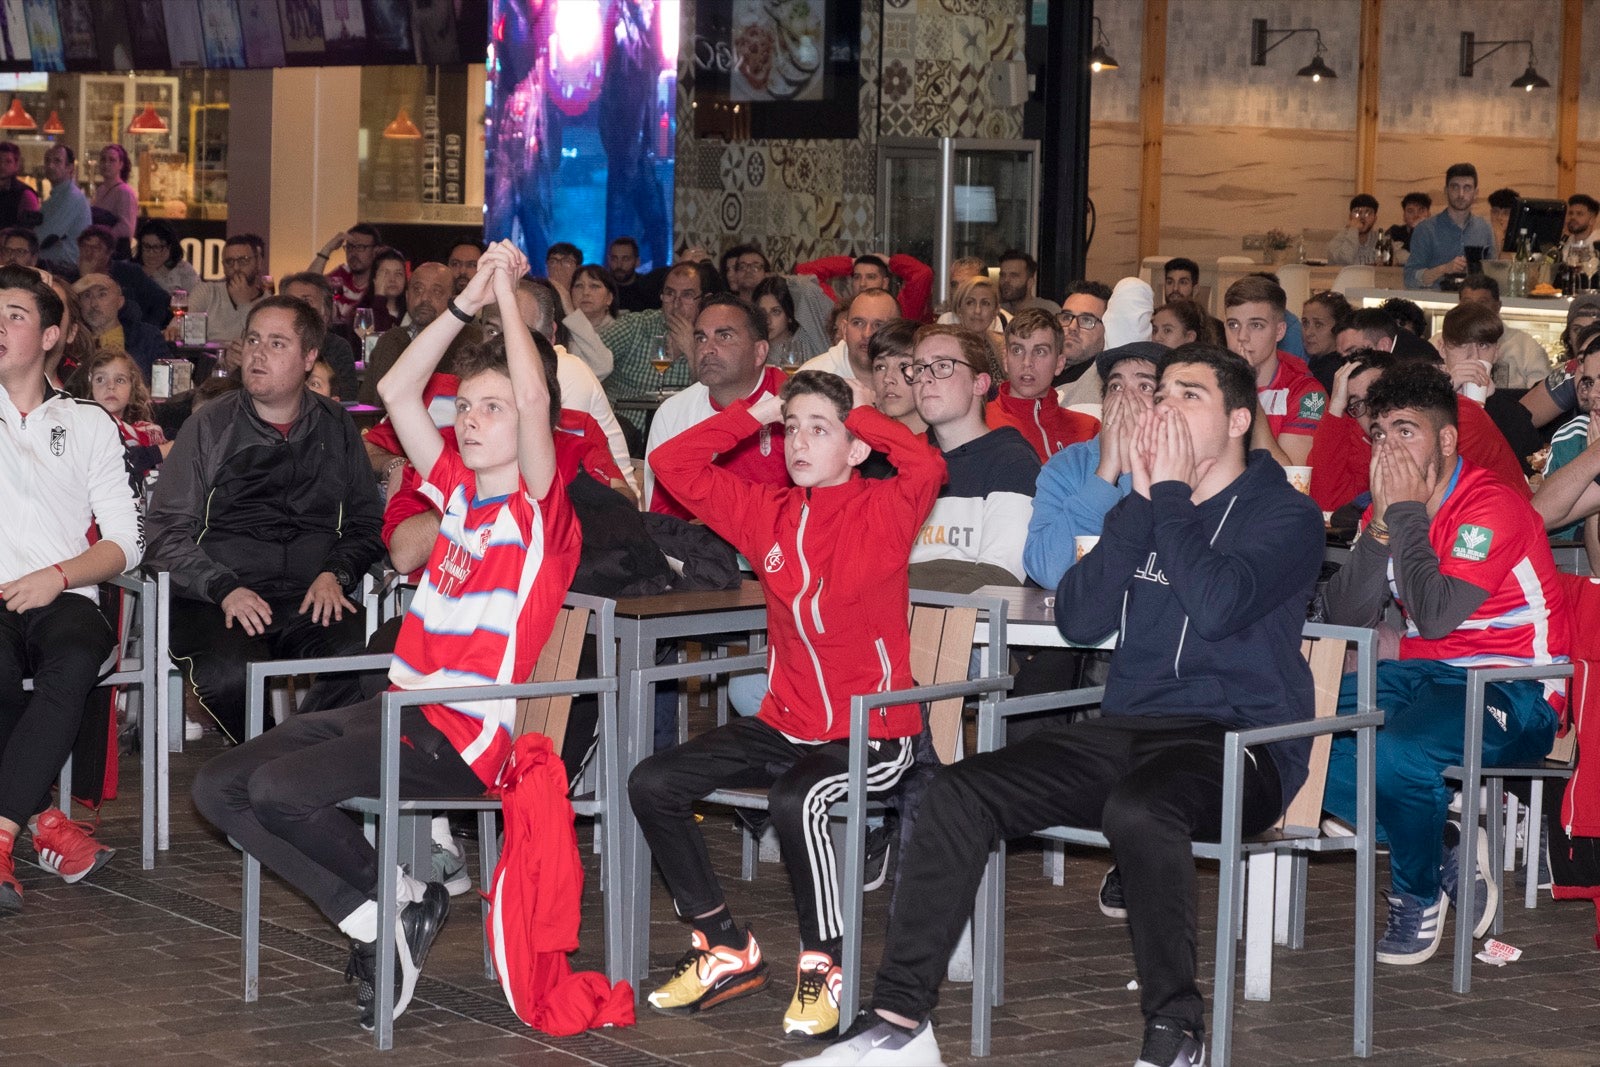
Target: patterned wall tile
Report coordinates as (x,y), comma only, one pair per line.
(800,199)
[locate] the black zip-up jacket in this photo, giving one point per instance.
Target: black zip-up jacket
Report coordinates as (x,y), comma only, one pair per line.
(238,504)
(1210,601)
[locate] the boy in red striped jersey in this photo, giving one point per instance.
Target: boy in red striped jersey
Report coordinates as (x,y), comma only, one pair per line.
(507,549)
(831,552)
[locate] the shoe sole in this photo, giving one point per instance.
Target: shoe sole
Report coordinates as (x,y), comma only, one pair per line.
(101,858)
(1491,894)
(457,882)
(416,956)
(797,1032)
(10,900)
(742,986)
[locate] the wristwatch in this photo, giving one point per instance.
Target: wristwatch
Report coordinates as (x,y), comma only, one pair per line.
(341,576)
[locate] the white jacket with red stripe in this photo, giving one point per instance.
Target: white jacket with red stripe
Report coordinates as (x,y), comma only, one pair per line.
(831,561)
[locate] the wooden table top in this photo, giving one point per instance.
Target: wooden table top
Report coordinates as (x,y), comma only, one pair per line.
(748,595)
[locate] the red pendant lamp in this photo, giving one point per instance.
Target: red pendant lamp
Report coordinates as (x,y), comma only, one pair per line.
(401,128)
(17,117)
(52,125)
(147,121)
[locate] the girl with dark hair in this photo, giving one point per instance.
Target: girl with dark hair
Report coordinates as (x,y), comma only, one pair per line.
(775,303)
(386,296)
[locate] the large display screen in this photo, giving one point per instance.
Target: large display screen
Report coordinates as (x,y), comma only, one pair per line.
(581,125)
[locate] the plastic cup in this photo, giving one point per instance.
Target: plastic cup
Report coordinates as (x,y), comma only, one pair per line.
(1299,477)
(1084,543)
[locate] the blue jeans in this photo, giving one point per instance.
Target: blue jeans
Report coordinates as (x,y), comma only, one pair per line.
(1423,702)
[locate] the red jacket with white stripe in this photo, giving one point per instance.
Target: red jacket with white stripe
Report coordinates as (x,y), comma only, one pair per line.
(832,563)
(1047,425)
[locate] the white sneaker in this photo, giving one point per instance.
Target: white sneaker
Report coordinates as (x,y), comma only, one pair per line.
(875,1042)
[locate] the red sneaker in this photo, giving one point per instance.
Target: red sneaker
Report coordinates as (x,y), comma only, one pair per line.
(68,848)
(10,888)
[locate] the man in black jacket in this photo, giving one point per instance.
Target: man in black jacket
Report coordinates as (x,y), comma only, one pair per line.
(267,517)
(1206,568)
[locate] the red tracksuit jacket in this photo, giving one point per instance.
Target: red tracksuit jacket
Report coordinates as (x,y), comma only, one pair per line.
(832,563)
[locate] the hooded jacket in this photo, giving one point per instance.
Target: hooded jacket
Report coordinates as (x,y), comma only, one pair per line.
(1042,421)
(240,504)
(1210,600)
(832,563)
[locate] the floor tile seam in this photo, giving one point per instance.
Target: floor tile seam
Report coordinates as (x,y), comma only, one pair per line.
(433,992)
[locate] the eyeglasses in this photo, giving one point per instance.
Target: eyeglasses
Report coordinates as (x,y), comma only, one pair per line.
(153,246)
(1084,320)
(747,266)
(1356,407)
(939,368)
(238,261)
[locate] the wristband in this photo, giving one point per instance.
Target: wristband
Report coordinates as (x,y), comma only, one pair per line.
(393,465)
(320,255)
(455,309)
(64,583)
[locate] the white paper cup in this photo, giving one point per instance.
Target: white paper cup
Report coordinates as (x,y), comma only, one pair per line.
(1084,543)
(1478,392)
(1299,477)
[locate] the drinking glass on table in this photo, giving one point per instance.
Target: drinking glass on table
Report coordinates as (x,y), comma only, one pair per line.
(361,322)
(661,360)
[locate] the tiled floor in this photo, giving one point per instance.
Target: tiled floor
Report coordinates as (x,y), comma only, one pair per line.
(141,967)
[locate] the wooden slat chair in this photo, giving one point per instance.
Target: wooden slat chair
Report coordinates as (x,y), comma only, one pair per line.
(1297,833)
(543,705)
(943,626)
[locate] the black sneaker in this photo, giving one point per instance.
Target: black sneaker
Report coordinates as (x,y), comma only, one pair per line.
(1166,1044)
(880,842)
(415,931)
(1112,903)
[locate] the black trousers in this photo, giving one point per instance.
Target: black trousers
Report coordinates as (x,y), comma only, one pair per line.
(61,647)
(804,780)
(1152,786)
(277,795)
(215,655)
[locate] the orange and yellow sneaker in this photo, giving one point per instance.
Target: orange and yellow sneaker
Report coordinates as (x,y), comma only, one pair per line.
(814,1008)
(708,975)
(66,847)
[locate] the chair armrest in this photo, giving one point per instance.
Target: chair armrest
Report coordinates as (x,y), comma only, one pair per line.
(1337,724)
(991,717)
(1478,681)
(925,694)
(702,668)
(256,675)
(1537,672)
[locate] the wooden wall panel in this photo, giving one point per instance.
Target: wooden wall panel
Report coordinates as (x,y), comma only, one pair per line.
(1114,149)
(1221,182)
(1418,161)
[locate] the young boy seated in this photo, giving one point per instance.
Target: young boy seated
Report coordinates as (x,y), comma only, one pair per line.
(831,553)
(507,548)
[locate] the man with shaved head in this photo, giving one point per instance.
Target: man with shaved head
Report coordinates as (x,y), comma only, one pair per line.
(429,293)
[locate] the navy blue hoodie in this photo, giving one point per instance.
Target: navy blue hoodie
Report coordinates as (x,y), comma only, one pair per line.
(1209,601)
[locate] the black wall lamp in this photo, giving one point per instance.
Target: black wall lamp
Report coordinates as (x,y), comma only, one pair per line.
(1470,58)
(1316,70)
(1100,55)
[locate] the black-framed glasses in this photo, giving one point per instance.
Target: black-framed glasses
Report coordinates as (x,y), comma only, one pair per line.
(1356,407)
(153,246)
(1085,320)
(939,368)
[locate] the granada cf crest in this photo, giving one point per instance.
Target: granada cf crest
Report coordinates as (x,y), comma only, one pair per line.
(58,440)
